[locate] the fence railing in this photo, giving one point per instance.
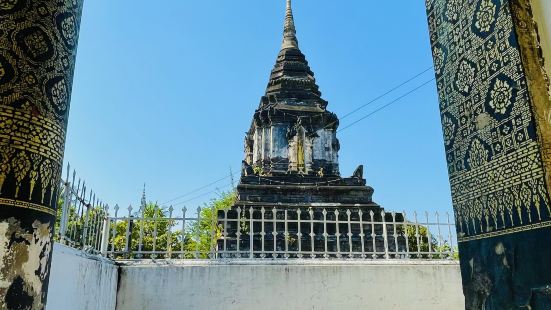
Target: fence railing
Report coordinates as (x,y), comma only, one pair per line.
(155,233)
(279,233)
(151,232)
(81,215)
(332,232)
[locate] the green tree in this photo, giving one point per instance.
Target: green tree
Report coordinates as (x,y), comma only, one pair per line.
(155,236)
(418,242)
(149,232)
(205,233)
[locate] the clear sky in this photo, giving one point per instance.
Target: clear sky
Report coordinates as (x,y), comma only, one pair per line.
(165,90)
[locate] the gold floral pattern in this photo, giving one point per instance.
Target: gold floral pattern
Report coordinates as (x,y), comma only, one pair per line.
(33,174)
(46,172)
(438,56)
(59,94)
(5,167)
(36,43)
(452,10)
(478,155)
(465,77)
(68,30)
(449,129)
(8,4)
(501,96)
(20,165)
(485,16)
(494,159)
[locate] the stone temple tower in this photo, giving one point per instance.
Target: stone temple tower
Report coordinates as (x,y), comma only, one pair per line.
(291,148)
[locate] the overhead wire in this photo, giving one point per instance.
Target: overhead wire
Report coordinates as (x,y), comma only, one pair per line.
(386,93)
(201,195)
(386,105)
(198,189)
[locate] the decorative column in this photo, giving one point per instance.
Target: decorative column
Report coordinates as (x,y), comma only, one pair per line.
(38,41)
(496,117)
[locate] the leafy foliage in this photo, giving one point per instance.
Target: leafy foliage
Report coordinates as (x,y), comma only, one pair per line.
(418,242)
(153,231)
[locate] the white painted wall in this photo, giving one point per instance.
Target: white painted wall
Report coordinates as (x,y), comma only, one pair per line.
(542,14)
(80,281)
(294,285)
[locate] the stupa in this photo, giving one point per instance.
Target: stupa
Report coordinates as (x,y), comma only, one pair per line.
(291,149)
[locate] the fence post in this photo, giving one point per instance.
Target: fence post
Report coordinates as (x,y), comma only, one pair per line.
(251,233)
(362,234)
(169,234)
(385,234)
(85,227)
(65,212)
(128,233)
(105,236)
(198,242)
(337,233)
(406,234)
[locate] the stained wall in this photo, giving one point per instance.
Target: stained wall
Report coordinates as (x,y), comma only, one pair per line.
(295,285)
(80,281)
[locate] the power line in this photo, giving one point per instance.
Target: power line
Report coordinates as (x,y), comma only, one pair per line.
(386,93)
(201,195)
(387,105)
(380,96)
(198,189)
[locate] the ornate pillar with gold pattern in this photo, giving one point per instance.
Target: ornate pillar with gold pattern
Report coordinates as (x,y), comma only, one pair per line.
(38,41)
(489,59)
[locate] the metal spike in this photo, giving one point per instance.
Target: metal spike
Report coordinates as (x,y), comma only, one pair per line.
(68,172)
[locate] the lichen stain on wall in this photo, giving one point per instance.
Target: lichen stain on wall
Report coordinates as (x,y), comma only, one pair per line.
(23,260)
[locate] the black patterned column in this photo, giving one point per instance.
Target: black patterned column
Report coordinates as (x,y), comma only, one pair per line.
(495,111)
(38,41)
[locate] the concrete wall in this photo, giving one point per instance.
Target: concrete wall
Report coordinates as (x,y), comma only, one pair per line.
(294,285)
(80,281)
(542,15)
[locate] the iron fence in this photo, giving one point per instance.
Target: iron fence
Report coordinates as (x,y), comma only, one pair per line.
(80,216)
(155,233)
(279,233)
(333,232)
(248,232)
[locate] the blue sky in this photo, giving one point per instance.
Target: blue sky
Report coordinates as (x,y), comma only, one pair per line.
(164,92)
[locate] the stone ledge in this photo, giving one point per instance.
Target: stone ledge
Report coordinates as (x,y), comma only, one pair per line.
(283,262)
